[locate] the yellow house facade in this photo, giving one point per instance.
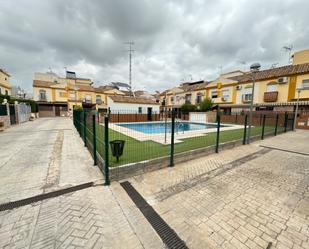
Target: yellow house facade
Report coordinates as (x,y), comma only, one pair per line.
(5,85)
(275,89)
(57,96)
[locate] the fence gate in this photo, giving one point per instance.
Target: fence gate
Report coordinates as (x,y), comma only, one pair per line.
(12,114)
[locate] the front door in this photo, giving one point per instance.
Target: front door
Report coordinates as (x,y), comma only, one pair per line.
(149,113)
(12,114)
(57,111)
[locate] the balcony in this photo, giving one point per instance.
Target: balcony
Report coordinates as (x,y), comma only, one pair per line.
(270,96)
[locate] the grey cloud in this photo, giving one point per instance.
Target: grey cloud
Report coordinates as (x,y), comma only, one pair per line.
(173,38)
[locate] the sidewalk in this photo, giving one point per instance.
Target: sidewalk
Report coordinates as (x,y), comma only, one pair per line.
(42,155)
(48,154)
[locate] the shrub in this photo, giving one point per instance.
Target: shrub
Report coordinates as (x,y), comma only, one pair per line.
(78,108)
(205,105)
(186,108)
(11,100)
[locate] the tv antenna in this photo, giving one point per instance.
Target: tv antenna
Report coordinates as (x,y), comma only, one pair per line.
(288,49)
(274,65)
(130,50)
(244,64)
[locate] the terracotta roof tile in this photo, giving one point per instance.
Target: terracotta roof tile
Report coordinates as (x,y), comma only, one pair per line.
(5,72)
(274,73)
(126,99)
(40,83)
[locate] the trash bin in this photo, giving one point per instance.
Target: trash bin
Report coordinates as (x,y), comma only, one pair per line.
(117,148)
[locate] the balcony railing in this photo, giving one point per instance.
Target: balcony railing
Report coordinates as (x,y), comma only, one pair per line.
(270,96)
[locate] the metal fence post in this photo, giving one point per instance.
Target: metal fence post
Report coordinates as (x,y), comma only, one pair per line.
(245,129)
(94,132)
(106,145)
(285,121)
(236,118)
(218,133)
(85,128)
(293,119)
(172,139)
(80,123)
(263,127)
(276,128)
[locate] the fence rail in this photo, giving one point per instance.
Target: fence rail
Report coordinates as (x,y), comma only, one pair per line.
(135,140)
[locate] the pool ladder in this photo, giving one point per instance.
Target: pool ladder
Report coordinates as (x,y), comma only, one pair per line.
(178,125)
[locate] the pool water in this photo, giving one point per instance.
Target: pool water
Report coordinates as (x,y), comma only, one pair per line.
(157,128)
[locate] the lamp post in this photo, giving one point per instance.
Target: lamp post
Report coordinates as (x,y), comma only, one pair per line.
(75,91)
(254,68)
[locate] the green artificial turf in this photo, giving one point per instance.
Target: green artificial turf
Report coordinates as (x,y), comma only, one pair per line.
(136,151)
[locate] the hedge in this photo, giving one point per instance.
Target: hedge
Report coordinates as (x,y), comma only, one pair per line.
(11,100)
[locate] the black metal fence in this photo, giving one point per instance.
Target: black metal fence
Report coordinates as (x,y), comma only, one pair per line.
(113,141)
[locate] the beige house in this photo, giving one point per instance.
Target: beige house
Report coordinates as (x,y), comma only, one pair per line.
(57,96)
(189,92)
(5,85)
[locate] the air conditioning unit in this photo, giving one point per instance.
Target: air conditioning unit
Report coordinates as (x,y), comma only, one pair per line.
(282,80)
(224,99)
(238,87)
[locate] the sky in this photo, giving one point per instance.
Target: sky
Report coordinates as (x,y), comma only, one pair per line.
(174,40)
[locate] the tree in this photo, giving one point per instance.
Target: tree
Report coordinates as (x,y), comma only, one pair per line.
(206,105)
(186,108)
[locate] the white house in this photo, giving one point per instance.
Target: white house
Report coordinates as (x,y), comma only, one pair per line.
(129,104)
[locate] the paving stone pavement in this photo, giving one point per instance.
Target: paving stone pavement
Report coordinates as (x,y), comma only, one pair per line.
(262,200)
(42,155)
(97,217)
(240,198)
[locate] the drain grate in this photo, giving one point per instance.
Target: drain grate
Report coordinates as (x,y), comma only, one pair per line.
(166,233)
(284,150)
(41,197)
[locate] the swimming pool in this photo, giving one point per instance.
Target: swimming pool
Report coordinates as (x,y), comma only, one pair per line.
(159,127)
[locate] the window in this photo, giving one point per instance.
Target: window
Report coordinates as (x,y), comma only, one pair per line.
(42,95)
(272,88)
(0,90)
(226,93)
(140,110)
(199,98)
(247,96)
(188,98)
(163,102)
(98,99)
(6,92)
(172,100)
(306,83)
(214,94)
(88,98)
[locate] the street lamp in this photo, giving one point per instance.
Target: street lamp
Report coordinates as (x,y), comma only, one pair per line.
(299,89)
(254,68)
(75,95)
